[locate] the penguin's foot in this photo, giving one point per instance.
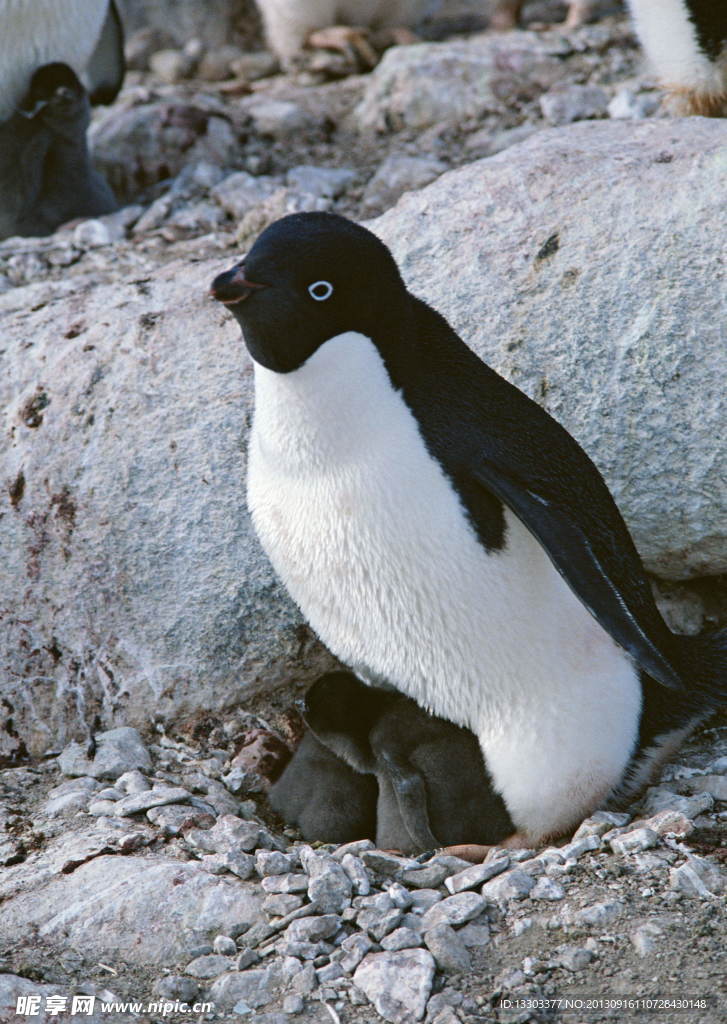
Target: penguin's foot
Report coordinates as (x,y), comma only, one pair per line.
(351,41)
(475,853)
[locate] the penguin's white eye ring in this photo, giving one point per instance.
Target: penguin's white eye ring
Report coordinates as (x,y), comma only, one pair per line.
(320,290)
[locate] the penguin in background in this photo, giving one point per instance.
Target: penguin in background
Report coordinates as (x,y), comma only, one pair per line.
(46,174)
(291,25)
(445,536)
(685,41)
(85,34)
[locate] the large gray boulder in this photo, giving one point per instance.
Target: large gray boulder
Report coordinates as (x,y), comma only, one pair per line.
(586,265)
(132,584)
(583,265)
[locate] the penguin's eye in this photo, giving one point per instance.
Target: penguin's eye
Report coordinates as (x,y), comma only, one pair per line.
(320,290)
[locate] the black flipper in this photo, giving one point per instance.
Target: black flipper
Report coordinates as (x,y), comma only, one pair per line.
(105,71)
(573,556)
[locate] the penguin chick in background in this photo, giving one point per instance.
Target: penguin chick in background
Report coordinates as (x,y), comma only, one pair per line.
(46,175)
(433,788)
(291,25)
(444,535)
(685,42)
(85,34)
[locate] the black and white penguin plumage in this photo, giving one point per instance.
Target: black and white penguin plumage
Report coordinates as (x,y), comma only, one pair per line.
(46,174)
(85,34)
(444,535)
(686,44)
(289,23)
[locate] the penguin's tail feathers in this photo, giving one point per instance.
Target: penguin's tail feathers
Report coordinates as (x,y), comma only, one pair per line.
(702,663)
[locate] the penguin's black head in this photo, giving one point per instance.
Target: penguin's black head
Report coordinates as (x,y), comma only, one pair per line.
(56,96)
(308,278)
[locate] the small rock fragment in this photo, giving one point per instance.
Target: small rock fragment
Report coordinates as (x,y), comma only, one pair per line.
(547,889)
(476,875)
(447,948)
(566,103)
(313,929)
(513,885)
(402,938)
(329,886)
(635,841)
(354,868)
(116,751)
(397,983)
(645,938)
(210,966)
(573,958)
(456,910)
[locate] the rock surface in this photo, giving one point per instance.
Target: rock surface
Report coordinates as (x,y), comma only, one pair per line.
(539,264)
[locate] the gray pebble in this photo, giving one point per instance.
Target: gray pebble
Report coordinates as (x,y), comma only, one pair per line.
(356,871)
(402,938)
(513,885)
(447,948)
(573,958)
(635,841)
(224,945)
(423,899)
(304,982)
(353,949)
(176,986)
(132,782)
(379,923)
(210,966)
(576,849)
(272,862)
(290,883)
(329,886)
(387,864)
(330,973)
(313,929)
(67,804)
(454,910)
(476,875)
(426,876)
(547,889)
(399,896)
(398,984)
(280,904)
(156,797)
(474,934)
(293,1004)
(645,938)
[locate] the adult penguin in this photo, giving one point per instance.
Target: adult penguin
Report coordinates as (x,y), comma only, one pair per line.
(444,535)
(85,34)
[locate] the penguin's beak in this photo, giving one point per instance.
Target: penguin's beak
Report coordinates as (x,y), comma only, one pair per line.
(233,287)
